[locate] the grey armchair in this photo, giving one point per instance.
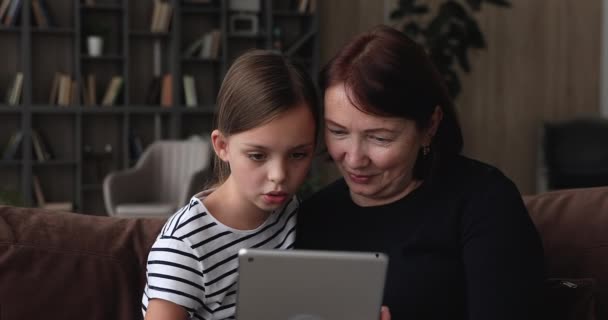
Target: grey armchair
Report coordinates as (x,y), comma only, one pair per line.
(162,180)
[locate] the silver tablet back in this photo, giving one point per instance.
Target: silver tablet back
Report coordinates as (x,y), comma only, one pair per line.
(310,285)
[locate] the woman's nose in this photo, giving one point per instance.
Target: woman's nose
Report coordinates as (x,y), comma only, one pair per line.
(355,156)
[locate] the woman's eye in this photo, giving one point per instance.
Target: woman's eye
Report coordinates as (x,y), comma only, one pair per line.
(380,139)
(336,132)
(299,155)
(256,156)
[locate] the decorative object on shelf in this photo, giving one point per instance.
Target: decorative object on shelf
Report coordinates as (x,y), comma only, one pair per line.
(277,39)
(94,45)
(447,32)
(244,24)
(96,31)
(244,5)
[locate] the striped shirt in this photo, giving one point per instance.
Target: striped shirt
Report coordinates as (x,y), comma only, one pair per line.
(193,261)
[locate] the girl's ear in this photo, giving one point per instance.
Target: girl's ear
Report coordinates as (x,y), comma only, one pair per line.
(220,145)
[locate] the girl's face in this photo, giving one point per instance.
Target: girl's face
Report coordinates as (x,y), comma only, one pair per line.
(270,162)
(376,155)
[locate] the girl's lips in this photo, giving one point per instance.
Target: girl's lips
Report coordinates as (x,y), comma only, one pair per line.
(275,197)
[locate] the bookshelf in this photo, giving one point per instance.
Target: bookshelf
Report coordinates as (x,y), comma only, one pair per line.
(69,138)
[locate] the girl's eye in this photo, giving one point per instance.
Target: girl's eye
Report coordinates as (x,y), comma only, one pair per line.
(299,155)
(256,156)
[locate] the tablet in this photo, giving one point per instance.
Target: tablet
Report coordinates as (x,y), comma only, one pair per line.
(309,285)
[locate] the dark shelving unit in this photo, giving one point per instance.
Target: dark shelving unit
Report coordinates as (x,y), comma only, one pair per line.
(88,141)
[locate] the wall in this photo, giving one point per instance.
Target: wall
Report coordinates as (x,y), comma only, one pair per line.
(542,63)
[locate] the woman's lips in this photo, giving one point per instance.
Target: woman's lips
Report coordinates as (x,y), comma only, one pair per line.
(358,178)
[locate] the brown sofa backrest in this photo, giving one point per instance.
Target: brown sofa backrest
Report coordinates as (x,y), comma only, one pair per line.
(72,266)
(574,227)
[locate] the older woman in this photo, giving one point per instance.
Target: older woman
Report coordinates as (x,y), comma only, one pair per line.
(460,241)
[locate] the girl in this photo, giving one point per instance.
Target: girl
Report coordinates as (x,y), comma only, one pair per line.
(264,142)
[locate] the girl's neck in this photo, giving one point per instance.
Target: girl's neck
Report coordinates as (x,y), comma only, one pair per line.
(232,209)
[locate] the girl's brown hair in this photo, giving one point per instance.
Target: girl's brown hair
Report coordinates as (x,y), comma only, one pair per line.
(259,86)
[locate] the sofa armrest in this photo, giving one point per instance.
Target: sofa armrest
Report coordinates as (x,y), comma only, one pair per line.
(128,186)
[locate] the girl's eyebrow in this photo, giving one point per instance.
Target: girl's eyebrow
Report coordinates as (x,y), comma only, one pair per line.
(261,147)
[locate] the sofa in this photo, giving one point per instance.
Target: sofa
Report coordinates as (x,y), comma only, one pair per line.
(73,266)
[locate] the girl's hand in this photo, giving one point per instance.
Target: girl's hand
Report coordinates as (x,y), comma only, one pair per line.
(385,314)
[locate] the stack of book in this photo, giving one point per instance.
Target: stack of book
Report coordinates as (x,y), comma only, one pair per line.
(206,47)
(64,90)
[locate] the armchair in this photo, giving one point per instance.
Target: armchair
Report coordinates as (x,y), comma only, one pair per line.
(162,180)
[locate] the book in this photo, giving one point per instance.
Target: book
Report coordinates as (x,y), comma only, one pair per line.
(91,84)
(165,16)
(54,88)
(40,17)
(4,8)
(154,23)
(190,91)
(10,152)
(166,93)
(112,92)
(13,13)
(64,91)
(16,89)
(41,147)
(153,97)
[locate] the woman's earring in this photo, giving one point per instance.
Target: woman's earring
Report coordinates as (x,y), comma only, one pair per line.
(426,150)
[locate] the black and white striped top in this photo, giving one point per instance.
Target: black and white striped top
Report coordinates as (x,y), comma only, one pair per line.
(193,262)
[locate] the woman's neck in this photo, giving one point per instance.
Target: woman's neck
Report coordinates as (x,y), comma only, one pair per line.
(230,208)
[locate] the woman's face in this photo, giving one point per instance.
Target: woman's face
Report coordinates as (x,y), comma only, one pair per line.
(376,155)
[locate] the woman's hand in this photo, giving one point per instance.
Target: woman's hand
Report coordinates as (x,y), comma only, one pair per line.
(385,314)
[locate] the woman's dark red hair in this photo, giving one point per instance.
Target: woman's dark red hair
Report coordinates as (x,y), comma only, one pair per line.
(386,73)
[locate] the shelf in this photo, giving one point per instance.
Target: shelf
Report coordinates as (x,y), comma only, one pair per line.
(92,187)
(10,109)
(290,14)
(10,29)
(50,109)
(102,7)
(192,9)
(149,34)
(200,60)
(149,109)
(259,36)
(104,58)
(208,109)
(58,31)
(10,163)
(53,163)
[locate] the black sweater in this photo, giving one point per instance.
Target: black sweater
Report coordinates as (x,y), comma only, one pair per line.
(461,247)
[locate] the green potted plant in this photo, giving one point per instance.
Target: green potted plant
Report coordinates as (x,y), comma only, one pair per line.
(448,33)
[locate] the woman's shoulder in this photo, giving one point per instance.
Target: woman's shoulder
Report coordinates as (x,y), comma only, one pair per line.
(471,174)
